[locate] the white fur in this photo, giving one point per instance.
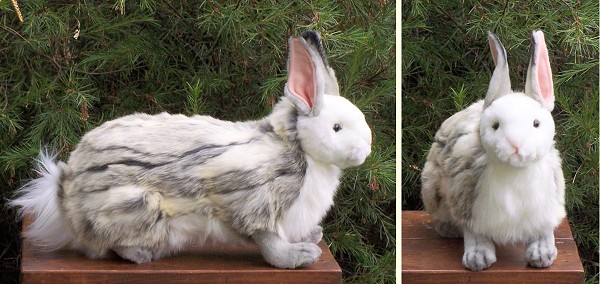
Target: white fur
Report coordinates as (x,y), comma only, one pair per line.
(39,199)
(327,153)
(347,148)
(515,204)
(315,199)
(516,200)
(197,229)
(521,193)
(516,141)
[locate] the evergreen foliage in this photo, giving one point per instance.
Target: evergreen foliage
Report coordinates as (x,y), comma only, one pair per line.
(70,66)
(446,66)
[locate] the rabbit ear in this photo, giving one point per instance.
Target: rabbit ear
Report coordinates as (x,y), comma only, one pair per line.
(309,75)
(539,75)
(500,82)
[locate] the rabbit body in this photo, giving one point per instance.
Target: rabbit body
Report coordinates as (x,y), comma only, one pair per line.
(145,186)
(463,188)
(493,174)
(168,175)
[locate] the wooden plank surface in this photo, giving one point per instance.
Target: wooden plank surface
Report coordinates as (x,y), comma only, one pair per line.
(429,258)
(208,264)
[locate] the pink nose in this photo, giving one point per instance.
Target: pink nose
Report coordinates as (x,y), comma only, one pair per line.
(515,146)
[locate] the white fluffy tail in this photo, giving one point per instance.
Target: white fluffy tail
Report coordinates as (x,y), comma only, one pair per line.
(38,199)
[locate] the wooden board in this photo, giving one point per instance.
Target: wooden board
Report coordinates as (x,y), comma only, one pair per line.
(429,258)
(209,264)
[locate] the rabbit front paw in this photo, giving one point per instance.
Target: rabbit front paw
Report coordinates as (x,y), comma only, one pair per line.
(541,252)
(480,252)
(293,255)
(478,259)
(282,254)
(304,253)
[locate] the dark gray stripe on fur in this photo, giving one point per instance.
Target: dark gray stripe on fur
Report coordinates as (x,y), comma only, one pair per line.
(532,49)
(449,143)
(438,196)
(312,38)
(195,156)
(130,150)
(130,163)
(466,188)
(266,128)
(209,147)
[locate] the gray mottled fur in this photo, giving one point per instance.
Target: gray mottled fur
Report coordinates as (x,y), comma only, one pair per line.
(248,197)
(449,181)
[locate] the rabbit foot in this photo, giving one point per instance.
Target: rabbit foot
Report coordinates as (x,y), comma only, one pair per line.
(478,259)
(541,252)
(135,254)
(448,230)
(480,252)
(282,254)
(315,235)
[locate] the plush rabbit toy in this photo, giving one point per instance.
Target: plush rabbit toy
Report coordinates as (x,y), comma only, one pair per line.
(145,186)
(493,173)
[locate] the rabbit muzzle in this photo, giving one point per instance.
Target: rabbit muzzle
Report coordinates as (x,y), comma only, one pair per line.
(357,155)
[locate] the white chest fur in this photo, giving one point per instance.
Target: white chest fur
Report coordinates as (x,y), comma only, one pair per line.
(514,204)
(315,199)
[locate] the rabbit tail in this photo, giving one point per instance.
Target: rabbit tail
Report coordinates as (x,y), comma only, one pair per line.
(39,200)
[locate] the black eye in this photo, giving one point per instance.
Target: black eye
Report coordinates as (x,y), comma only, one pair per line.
(337,127)
(495,125)
(536,123)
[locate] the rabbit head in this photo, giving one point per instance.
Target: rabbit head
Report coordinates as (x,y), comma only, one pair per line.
(516,128)
(331,129)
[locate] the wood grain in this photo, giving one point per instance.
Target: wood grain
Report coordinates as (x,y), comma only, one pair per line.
(429,258)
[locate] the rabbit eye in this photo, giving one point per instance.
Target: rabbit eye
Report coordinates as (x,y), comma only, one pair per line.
(495,125)
(536,123)
(337,127)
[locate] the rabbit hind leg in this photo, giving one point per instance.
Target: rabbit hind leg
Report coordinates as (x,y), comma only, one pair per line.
(433,193)
(448,230)
(137,254)
(444,225)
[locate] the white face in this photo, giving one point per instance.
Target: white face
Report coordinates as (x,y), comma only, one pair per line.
(516,130)
(339,135)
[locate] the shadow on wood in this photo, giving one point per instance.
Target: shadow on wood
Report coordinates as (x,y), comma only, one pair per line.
(429,258)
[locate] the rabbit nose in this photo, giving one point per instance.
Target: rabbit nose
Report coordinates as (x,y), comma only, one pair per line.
(516,146)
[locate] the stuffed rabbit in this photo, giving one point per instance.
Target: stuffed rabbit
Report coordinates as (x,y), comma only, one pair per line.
(145,186)
(493,174)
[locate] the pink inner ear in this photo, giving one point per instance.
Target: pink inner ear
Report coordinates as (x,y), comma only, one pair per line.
(301,77)
(544,72)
